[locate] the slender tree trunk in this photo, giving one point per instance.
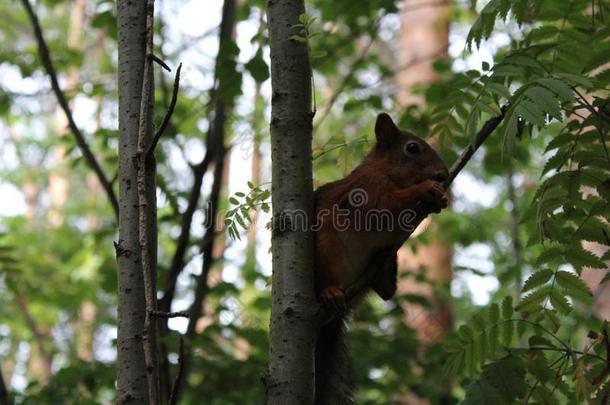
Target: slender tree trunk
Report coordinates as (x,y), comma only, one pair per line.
(132,373)
(293,330)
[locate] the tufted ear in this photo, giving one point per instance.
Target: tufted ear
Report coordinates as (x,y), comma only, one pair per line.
(386,131)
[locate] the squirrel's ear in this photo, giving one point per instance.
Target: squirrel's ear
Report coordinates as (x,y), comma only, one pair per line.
(386,131)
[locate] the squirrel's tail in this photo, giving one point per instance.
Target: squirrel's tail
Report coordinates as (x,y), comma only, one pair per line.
(333,366)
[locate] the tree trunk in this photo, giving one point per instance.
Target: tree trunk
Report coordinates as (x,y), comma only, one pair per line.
(290,378)
(132,373)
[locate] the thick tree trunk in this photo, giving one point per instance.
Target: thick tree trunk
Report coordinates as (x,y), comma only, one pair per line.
(132,374)
(293,331)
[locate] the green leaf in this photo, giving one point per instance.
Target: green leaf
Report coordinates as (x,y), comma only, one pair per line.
(240,220)
(530,112)
(494,313)
(573,285)
(501,382)
(493,340)
(507,307)
(537,279)
(318,54)
(545,99)
(481,347)
(465,333)
(298,38)
(580,258)
(558,87)
(523,59)
(507,331)
(559,302)
(498,89)
(577,80)
(532,301)
(257,67)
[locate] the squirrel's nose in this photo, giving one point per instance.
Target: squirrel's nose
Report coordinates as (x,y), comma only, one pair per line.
(441,175)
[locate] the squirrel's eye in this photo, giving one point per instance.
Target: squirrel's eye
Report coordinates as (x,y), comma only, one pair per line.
(412,147)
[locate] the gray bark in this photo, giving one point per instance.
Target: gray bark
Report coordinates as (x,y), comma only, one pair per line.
(131,380)
(290,378)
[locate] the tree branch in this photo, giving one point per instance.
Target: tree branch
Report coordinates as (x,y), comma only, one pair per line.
(168,114)
(148,270)
(45,59)
(177,263)
(486,130)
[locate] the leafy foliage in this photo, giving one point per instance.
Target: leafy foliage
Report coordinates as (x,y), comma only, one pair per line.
(550,74)
(553,95)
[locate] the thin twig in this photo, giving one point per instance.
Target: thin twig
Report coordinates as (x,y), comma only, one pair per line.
(168,114)
(160,62)
(173,397)
(162,314)
(486,130)
(45,59)
(149,332)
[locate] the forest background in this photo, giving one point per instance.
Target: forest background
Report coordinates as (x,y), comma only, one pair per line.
(507,289)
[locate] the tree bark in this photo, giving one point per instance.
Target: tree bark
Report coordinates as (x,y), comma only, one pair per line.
(132,373)
(290,378)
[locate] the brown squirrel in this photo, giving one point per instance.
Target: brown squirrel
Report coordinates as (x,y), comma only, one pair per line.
(363,220)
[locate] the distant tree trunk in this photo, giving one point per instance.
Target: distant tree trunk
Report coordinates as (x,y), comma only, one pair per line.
(132,372)
(424,32)
(290,378)
(59,183)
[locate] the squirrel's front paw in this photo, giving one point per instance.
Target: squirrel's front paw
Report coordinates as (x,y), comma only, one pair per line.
(333,297)
(433,197)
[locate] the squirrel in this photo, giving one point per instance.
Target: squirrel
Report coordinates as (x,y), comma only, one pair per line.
(362,220)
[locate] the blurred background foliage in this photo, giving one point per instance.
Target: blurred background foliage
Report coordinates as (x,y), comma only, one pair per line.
(532,205)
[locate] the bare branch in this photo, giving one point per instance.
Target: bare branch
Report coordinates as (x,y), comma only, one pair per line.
(162,314)
(486,130)
(177,263)
(45,59)
(160,62)
(168,114)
